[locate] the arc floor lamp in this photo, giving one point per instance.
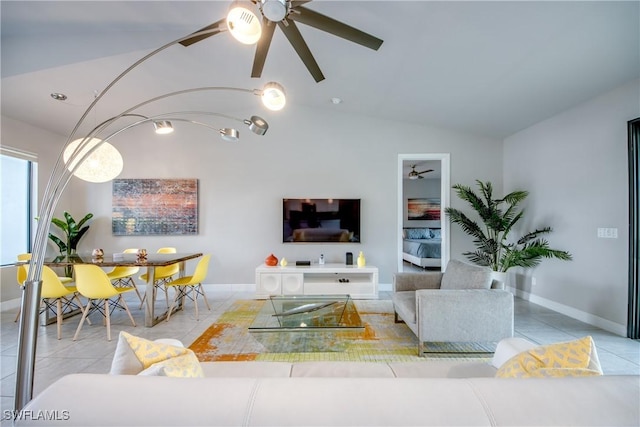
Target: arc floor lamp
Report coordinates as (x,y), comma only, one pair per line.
(77,153)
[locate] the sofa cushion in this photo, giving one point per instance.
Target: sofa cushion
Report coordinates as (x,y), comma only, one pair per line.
(404,303)
(134,354)
(461,275)
(571,358)
(342,369)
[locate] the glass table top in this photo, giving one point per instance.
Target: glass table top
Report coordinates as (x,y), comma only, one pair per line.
(308,312)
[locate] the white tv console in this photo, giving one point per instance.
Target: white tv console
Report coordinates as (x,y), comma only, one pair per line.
(327,279)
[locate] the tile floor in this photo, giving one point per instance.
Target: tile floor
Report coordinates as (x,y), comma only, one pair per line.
(92,352)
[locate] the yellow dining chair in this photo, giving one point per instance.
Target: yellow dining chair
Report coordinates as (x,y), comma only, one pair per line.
(21,276)
(123,276)
(162,275)
(191,286)
(94,284)
(55,292)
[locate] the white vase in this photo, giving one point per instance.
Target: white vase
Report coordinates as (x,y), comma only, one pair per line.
(500,276)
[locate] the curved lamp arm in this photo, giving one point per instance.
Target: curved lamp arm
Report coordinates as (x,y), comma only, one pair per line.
(59,178)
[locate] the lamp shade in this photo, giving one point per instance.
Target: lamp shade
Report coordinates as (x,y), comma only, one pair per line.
(243,22)
(273,96)
(103,165)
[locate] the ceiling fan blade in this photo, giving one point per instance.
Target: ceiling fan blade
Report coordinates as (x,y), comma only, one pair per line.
(295,38)
(216,27)
(428,170)
(317,20)
(262,49)
(296,3)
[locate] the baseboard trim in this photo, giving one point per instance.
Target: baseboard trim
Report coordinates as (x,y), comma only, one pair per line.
(9,305)
(572,312)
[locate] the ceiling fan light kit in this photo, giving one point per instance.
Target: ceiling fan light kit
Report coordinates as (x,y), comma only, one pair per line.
(274,10)
(243,22)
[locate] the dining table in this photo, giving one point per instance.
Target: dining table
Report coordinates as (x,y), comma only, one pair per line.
(151,261)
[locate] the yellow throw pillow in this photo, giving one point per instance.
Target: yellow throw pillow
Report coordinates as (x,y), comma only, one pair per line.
(572,358)
(134,354)
(185,366)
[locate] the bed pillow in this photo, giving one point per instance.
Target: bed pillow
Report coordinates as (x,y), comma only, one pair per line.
(571,358)
(418,233)
(435,233)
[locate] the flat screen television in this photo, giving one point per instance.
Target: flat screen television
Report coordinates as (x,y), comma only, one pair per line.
(321,220)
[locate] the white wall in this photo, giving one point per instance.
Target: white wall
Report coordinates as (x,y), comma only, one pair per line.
(306,153)
(575,167)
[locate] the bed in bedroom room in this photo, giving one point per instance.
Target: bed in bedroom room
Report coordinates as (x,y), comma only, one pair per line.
(421,246)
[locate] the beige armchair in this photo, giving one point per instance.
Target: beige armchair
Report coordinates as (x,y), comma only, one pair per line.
(461,305)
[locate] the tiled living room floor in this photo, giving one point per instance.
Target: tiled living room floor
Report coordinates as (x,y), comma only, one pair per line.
(93,353)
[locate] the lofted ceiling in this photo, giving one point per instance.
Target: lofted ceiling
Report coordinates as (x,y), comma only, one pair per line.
(487,68)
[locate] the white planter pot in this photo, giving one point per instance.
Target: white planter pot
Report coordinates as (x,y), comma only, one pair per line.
(500,276)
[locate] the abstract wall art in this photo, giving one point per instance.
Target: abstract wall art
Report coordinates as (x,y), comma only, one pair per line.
(423,209)
(154,207)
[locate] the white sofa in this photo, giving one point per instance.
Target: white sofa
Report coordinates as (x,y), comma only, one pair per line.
(338,393)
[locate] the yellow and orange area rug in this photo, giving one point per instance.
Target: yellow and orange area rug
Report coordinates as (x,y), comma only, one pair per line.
(381,340)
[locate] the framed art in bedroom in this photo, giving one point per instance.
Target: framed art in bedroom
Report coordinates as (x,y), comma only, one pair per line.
(423,209)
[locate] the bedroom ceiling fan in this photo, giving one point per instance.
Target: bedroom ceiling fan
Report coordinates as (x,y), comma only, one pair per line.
(243,21)
(414,174)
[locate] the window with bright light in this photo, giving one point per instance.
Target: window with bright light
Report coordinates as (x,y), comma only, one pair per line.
(18,172)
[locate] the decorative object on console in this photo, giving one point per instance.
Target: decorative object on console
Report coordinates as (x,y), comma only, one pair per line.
(283,262)
(155,207)
(321,220)
(97,253)
(142,254)
(361,260)
(494,248)
(349,260)
(271,260)
(303,263)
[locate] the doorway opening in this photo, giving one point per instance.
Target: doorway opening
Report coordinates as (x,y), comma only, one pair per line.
(423,196)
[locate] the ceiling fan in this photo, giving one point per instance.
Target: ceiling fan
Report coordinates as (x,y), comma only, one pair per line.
(244,24)
(414,174)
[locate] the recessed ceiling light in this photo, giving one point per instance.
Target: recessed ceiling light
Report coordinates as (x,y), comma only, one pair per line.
(336,101)
(59,96)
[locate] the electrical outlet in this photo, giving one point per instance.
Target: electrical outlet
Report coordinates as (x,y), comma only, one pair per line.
(607,233)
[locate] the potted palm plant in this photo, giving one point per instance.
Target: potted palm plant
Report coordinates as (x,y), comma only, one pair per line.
(494,246)
(73,232)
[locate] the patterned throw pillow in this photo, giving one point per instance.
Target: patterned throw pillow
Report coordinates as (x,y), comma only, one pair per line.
(134,355)
(418,233)
(185,366)
(572,358)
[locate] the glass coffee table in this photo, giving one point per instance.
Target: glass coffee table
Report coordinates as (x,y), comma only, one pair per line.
(309,323)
